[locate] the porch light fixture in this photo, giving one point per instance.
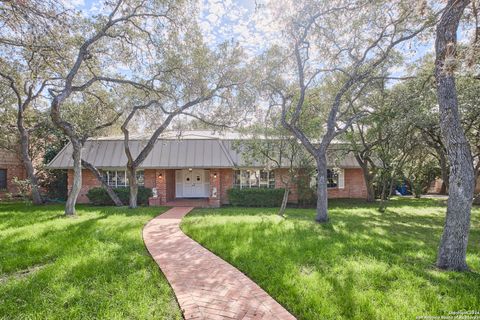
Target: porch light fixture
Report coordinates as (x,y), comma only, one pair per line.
(160,176)
(214,175)
(190,169)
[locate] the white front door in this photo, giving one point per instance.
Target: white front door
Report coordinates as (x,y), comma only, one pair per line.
(193,183)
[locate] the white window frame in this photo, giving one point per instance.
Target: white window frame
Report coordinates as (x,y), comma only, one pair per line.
(108,172)
(340,179)
(245,180)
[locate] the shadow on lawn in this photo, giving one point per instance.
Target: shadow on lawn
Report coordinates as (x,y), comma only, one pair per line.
(93,266)
(359,250)
(44,235)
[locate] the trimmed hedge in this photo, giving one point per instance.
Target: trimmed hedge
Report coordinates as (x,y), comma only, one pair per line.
(98,196)
(258,197)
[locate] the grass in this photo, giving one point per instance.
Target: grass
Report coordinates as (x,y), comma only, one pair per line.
(94,266)
(361,265)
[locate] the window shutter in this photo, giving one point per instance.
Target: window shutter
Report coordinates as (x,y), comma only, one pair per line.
(341,179)
(3,179)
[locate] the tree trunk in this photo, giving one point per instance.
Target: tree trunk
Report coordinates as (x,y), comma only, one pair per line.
(476,200)
(391,189)
(77,178)
(27,161)
(383,196)
(281,212)
(100,178)
(370,188)
(453,244)
(444,172)
(322,194)
(132,182)
(369,184)
(368,179)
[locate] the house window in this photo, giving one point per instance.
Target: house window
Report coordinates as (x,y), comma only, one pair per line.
(3,179)
(254,179)
(118,178)
(333,178)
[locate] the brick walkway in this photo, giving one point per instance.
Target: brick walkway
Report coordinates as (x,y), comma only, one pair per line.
(206,286)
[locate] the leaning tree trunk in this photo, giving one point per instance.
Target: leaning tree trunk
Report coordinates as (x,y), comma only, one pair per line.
(116,200)
(27,160)
(453,245)
(77,178)
(283,206)
(322,194)
(132,182)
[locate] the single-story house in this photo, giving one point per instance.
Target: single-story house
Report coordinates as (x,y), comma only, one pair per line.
(196,165)
(11,167)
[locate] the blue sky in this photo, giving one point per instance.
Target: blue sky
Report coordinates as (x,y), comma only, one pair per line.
(220,21)
(245,22)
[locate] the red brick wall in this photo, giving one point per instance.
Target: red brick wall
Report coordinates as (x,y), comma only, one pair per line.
(354,186)
(216,183)
(170,191)
(279,173)
(11,162)
(226,176)
(150,178)
(435,186)
(164,181)
(88,181)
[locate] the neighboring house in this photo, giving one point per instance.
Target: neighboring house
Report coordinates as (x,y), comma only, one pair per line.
(196,164)
(10,167)
(436,186)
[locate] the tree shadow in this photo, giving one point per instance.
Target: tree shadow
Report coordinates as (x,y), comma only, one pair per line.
(359,249)
(95,266)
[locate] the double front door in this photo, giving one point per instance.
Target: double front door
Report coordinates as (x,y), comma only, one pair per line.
(193,183)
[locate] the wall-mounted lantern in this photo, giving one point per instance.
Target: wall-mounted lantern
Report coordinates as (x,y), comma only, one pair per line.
(160,176)
(214,175)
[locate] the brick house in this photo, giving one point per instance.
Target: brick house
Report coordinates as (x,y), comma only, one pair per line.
(196,165)
(436,186)
(10,167)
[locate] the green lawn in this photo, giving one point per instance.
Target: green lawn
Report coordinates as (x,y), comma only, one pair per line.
(361,265)
(91,267)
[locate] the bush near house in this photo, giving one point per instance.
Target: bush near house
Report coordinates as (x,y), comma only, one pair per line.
(255,197)
(99,196)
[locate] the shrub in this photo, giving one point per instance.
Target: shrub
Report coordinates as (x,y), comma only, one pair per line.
(307,195)
(99,196)
(54,182)
(256,197)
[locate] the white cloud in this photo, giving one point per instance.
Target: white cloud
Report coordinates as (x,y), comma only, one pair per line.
(77,4)
(252,26)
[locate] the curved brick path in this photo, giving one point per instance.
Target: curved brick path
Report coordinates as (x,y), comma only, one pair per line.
(206,286)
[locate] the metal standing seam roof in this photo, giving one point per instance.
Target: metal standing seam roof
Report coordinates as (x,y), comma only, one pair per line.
(170,154)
